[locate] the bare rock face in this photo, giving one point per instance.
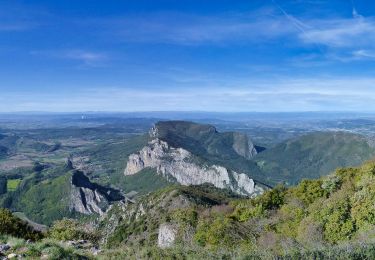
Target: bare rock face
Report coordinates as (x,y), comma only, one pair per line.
(88,198)
(87,201)
(243,146)
(167,235)
(177,164)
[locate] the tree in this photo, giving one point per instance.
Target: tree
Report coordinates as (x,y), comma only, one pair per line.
(11,225)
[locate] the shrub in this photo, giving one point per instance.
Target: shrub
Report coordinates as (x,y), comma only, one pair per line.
(310,233)
(290,215)
(213,232)
(70,229)
(336,218)
(331,184)
(11,225)
(244,211)
(185,216)
(309,190)
(272,199)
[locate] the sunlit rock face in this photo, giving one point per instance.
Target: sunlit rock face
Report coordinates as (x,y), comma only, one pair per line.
(177,164)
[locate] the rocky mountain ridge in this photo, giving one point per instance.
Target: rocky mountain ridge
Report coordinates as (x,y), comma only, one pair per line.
(179,165)
(204,139)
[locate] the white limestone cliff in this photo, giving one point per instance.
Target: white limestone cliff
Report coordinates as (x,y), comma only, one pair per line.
(176,164)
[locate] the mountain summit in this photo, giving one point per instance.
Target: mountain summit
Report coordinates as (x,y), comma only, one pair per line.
(204,140)
(183,152)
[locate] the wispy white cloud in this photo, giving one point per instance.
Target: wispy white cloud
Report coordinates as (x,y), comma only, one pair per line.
(17,17)
(88,58)
(179,28)
(15,26)
(341,32)
(83,57)
(288,94)
(370,54)
(327,34)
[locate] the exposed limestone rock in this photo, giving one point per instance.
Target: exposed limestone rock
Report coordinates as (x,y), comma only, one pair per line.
(88,198)
(176,164)
(4,248)
(243,146)
(87,201)
(167,235)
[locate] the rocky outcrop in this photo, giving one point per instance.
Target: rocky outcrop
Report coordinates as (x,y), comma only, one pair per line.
(178,164)
(243,146)
(166,235)
(88,198)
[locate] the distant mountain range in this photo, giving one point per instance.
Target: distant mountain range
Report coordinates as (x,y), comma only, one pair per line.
(313,155)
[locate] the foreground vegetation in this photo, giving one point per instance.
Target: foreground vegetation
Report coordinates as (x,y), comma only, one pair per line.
(329,218)
(317,213)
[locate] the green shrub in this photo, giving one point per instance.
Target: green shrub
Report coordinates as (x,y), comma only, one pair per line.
(309,190)
(335,215)
(331,184)
(213,232)
(187,216)
(290,217)
(272,199)
(245,211)
(70,229)
(11,225)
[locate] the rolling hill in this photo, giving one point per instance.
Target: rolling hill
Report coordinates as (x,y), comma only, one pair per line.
(313,155)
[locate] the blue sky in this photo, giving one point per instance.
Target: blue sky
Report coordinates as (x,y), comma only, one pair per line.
(297,55)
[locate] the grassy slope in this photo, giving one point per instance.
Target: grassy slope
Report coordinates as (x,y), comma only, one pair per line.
(112,158)
(12,184)
(43,197)
(47,200)
(312,156)
(143,182)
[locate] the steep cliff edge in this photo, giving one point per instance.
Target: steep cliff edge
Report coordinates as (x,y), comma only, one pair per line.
(58,193)
(178,164)
(88,198)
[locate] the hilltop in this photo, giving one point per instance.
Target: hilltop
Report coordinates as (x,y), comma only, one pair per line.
(313,155)
(193,154)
